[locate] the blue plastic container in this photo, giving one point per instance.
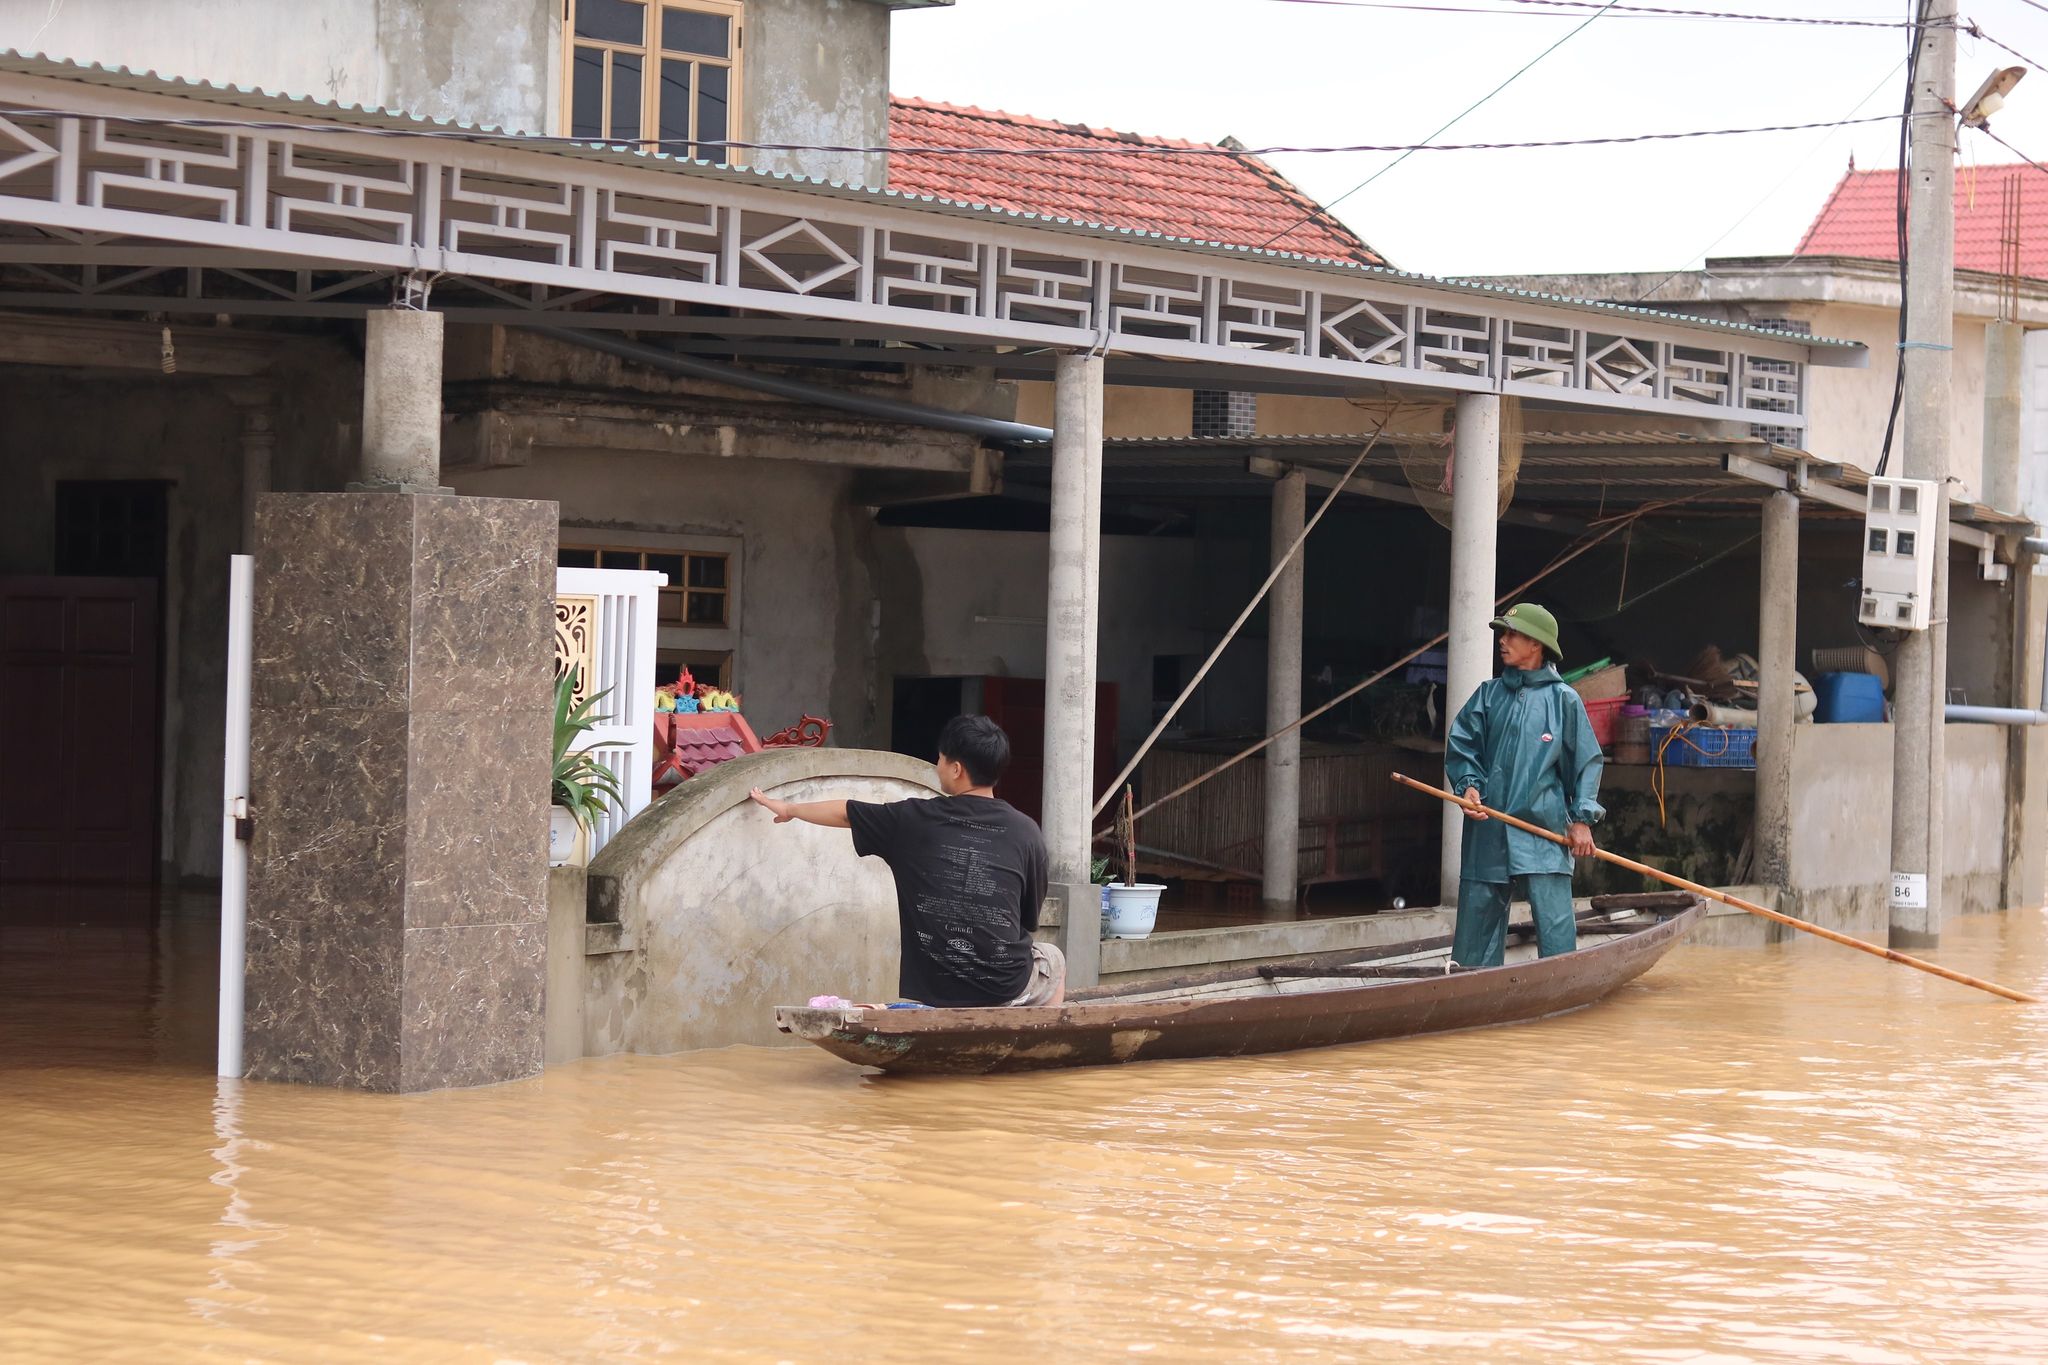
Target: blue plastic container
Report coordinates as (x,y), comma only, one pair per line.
(1848,699)
(1702,746)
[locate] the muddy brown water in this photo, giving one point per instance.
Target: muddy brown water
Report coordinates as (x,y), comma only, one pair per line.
(1784,1154)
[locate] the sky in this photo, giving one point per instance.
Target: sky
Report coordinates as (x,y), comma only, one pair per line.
(1289,72)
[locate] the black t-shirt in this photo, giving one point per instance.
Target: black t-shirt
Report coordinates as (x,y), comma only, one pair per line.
(970,872)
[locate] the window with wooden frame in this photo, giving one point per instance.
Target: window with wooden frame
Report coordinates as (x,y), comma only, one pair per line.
(699,591)
(659,73)
(709,669)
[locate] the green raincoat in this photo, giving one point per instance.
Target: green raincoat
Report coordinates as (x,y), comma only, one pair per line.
(1525,743)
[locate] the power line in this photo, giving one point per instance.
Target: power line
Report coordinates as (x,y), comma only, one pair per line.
(1325,208)
(1536,8)
(1118,149)
(1891,421)
(1986,130)
(1970,27)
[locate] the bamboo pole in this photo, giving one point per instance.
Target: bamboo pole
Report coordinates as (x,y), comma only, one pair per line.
(1888,954)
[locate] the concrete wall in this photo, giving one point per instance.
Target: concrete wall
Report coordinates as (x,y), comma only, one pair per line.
(2034,427)
(1847,408)
(568,963)
(983,610)
(817,71)
(724,914)
(808,610)
(1842,827)
(1126,412)
(813,71)
(1842,814)
(1974,848)
(480,61)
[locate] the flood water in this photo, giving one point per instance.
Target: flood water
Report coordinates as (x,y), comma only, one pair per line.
(1784,1154)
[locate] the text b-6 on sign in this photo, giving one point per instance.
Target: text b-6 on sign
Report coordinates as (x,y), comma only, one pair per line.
(1909,890)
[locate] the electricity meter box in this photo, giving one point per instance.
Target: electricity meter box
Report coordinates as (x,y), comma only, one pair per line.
(1899,536)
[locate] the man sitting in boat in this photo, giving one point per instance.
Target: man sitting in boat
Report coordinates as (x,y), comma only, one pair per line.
(970,874)
(1524,746)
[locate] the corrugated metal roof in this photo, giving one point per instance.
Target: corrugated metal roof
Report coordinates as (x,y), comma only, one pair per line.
(299,108)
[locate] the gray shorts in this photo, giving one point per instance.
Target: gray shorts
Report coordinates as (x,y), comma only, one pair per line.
(1048,984)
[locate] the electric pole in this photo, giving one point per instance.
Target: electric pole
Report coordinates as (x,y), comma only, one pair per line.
(1920,678)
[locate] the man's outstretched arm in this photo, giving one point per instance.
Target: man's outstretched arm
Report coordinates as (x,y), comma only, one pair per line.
(830,814)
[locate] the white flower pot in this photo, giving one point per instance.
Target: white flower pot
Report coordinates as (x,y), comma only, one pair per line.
(1130,911)
(568,842)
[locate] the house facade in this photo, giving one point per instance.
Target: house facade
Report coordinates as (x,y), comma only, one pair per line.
(1843,280)
(859,423)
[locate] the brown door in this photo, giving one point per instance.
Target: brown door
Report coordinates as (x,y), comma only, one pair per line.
(78,730)
(1018,705)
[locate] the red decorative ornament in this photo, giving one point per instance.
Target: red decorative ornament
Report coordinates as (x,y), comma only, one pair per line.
(808,733)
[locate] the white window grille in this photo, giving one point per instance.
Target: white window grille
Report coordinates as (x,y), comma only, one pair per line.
(1779,435)
(605,627)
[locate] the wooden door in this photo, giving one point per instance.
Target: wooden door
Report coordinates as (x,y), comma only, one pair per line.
(1018,705)
(79,701)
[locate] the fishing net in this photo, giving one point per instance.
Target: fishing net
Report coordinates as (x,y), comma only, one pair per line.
(1431,469)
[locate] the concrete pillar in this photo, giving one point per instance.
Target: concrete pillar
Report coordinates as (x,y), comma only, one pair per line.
(1777,623)
(401,402)
(1920,667)
(1919,766)
(1283,703)
(259,447)
(2004,382)
(1074,574)
(399,763)
(1475,516)
(2026,762)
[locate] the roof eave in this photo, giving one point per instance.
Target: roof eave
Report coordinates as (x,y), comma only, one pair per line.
(300,109)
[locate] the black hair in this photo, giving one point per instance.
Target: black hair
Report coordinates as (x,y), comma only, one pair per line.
(977,744)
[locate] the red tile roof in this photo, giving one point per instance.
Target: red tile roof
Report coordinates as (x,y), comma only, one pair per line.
(1860,218)
(1237,200)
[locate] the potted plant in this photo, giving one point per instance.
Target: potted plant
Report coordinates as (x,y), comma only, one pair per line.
(583,787)
(1129,908)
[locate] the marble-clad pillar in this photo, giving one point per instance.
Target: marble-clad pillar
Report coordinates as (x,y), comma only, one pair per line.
(399,777)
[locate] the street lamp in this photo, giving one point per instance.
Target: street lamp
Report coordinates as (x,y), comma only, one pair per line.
(1990,96)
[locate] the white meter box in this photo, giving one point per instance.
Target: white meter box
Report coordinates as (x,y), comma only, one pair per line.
(1899,536)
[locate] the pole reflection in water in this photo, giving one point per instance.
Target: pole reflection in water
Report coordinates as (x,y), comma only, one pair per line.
(1785,1154)
(239,1234)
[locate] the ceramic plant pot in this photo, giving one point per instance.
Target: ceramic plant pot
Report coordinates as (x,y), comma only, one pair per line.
(1130,911)
(568,841)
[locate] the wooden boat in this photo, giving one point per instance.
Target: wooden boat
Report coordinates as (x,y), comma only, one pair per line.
(1319,1001)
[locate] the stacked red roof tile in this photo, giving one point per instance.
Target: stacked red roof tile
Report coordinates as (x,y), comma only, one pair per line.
(687,743)
(1860,218)
(1237,200)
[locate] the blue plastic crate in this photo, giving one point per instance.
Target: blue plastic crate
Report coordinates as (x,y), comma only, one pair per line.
(1701,746)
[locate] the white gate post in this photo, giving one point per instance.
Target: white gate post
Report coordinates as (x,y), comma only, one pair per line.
(621,653)
(234,851)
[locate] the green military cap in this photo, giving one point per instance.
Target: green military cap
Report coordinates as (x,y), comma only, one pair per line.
(1533,621)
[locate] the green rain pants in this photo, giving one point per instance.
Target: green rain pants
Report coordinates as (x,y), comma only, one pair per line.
(1482,934)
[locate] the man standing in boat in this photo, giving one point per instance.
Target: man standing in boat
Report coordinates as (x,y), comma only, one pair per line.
(1524,746)
(970,875)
